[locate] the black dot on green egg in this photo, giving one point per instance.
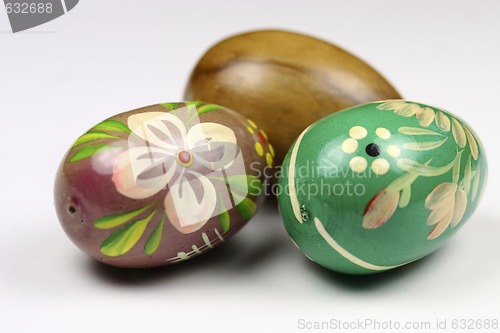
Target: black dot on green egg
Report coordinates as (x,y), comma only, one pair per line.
(372,149)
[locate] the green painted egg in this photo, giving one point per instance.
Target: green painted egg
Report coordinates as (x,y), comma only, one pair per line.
(379,185)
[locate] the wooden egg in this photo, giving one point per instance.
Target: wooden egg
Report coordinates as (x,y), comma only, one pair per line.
(284,81)
(161,184)
(380,185)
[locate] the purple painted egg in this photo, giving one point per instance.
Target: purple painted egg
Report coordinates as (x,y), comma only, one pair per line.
(161,184)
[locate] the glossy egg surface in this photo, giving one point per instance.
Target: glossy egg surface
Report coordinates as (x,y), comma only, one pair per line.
(379,185)
(161,184)
(284,81)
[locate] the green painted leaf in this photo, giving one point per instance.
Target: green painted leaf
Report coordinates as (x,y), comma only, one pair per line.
(124,239)
(254,185)
(92,136)
(192,107)
(113,221)
(112,126)
(417,131)
(472,143)
(88,151)
(207,108)
(154,239)
(191,112)
(225,219)
(170,106)
(425,145)
(247,208)
(195,103)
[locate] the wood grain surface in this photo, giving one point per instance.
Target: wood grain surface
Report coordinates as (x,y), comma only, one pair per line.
(284,81)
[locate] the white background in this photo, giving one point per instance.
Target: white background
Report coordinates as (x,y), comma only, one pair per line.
(105,57)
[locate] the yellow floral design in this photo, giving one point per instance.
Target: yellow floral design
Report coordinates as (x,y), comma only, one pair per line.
(263,143)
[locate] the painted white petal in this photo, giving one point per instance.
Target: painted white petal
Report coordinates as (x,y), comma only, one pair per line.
(442,121)
(216,155)
(202,133)
(458,133)
(472,143)
(162,129)
(441,225)
(404,199)
(442,194)
(424,145)
(152,167)
(467,175)
(416,131)
(380,209)
(136,120)
(423,169)
(128,165)
(459,208)
(213,145)
(190,204)
(426,117)
(392,105)
(401,182)
(408,110)
(438,213)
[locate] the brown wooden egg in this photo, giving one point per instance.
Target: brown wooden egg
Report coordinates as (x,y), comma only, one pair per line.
(161,184)
(284,81)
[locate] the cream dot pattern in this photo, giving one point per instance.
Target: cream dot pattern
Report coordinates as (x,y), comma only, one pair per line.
(383,133)
(393,151)
(358,164)
(350,145)
(358,132)
(380,166)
